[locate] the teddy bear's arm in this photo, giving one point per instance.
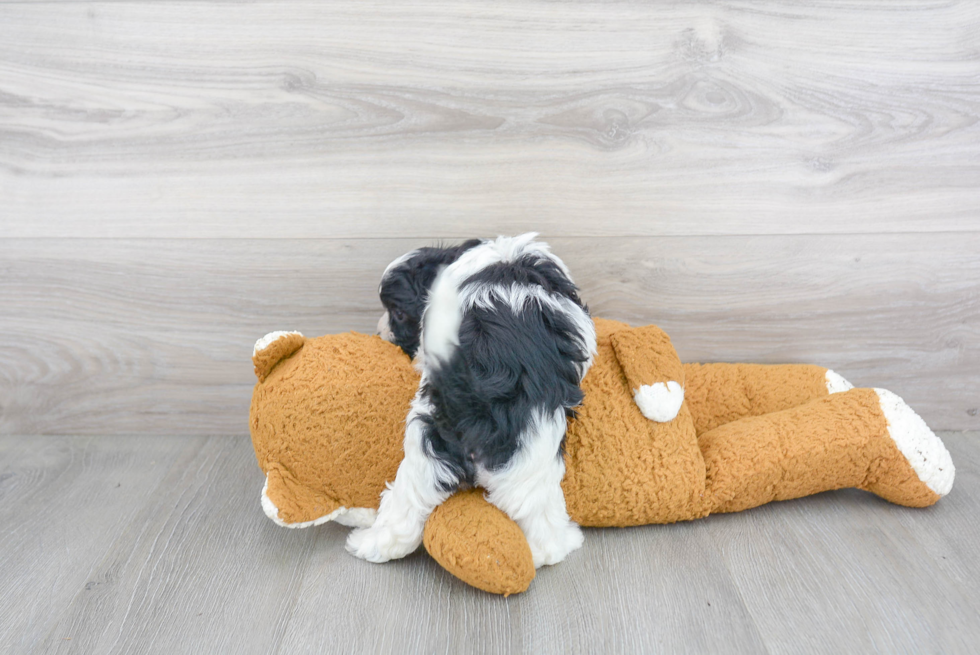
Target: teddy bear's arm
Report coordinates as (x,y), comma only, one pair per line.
(653,370)
(479,544)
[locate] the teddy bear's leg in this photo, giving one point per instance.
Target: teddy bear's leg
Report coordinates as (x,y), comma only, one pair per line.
(420,485)
(721,393)
(864,438)
(529,491)
(922,450)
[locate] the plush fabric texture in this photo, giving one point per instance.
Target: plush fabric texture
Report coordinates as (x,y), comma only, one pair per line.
(479,544)
(621,468)
(836,442)
(718,394)
(266,359)
(327,421)
(645,354)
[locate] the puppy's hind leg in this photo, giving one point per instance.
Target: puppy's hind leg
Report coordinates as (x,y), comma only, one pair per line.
(528,490)
(421,484)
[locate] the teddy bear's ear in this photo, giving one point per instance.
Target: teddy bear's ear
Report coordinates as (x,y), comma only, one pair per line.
(653,370)
(272,349)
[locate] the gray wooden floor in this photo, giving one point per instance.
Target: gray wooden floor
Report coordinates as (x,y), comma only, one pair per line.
(158,545)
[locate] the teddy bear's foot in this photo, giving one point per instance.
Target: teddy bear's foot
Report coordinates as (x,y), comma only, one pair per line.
(925,471)
(550,546)
(381,543)
(836,382)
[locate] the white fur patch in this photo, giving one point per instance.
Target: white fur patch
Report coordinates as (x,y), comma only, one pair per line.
(441,320)
(384,328)
(352,517)
(269,339)
(836,382)
(660,402)
(357,517)
(922,448)
(528,490)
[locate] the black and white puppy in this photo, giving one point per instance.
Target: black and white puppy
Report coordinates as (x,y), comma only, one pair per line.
(502,342)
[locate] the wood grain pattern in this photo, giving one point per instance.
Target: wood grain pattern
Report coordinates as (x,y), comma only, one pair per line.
(446,119)
(63,503)
(768,181)
(656,613)
(155,336)
(196,566)
(181,559)
(844,569)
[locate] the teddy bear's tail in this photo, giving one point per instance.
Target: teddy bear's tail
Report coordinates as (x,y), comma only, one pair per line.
(272,349)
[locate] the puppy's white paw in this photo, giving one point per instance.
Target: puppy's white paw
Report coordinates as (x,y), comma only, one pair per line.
(553,548)
(660,402)
(380,544)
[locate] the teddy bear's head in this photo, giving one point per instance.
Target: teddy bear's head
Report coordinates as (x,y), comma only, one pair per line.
(327,422)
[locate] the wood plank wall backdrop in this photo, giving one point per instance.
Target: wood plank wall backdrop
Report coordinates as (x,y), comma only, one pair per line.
(768,181)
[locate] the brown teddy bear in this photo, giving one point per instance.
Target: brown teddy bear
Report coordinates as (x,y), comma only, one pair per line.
(655,441)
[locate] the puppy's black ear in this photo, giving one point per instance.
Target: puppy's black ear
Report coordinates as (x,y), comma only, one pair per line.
(466,245)
(430,261)
(424,274)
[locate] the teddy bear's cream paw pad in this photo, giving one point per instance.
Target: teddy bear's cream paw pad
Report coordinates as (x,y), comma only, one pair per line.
(355,517)
(380,543)
(270,339)
(554,547)
(922,448)
(836,382)
(660,402)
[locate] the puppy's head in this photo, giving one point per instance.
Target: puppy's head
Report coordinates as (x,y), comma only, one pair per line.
(405,288)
